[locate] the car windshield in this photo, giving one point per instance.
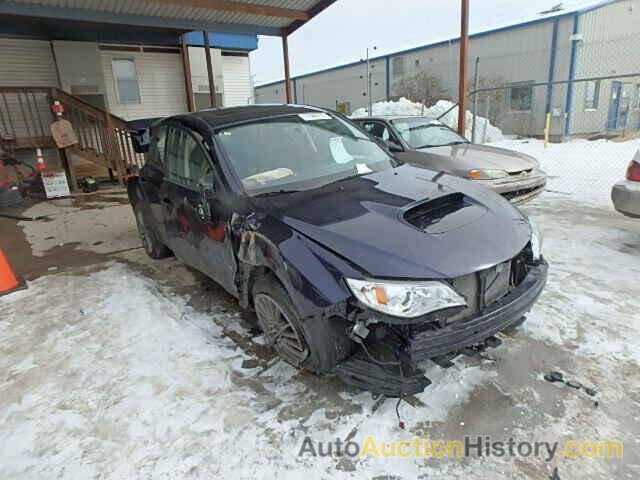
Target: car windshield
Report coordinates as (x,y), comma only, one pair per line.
(299,152)
(423,133)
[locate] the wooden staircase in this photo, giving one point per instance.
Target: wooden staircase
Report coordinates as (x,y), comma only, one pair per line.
(104,138)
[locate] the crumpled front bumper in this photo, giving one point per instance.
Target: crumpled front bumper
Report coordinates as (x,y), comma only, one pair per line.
(369,370)
(497,317)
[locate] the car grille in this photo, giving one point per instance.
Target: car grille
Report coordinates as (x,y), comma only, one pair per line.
(521,173)
(496,282)
(522,192)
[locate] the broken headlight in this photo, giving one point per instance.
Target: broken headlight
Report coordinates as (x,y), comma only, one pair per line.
(404,299)
(536,239)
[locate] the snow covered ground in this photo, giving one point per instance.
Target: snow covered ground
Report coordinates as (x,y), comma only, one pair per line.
(133,368)
(116,374)
(581,170)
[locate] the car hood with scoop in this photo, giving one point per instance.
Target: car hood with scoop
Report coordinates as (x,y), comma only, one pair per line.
(406,223)
(464,157)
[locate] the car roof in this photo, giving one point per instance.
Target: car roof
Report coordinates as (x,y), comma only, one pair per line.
(219,117)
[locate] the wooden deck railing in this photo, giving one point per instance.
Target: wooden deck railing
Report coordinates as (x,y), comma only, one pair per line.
(104,139)
(26,114)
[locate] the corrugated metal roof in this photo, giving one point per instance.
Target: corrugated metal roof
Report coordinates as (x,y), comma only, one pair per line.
(183,12)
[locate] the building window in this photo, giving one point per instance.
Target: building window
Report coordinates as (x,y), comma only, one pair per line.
(591,95)
(417,63)
(126,78)
(521,97)
(638,96)
(398,66)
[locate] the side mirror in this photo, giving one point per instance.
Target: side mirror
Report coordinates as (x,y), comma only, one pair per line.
(141,139)
(394,147)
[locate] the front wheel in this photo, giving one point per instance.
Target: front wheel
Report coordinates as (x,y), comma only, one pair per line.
(316,344)
(150,242)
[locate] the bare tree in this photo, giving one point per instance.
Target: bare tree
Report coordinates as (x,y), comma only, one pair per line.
(422,88)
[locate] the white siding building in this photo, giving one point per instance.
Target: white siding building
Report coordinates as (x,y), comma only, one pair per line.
(129,80)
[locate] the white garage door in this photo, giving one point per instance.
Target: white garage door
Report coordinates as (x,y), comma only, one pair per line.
(160,81)
(26,63)
(237,81)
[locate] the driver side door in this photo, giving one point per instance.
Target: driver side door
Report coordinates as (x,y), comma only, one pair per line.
(199,233)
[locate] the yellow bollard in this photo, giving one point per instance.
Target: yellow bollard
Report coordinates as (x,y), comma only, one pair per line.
(547,130)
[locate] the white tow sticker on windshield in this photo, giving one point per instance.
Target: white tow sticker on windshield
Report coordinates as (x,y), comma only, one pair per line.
(312,117)
(362,168)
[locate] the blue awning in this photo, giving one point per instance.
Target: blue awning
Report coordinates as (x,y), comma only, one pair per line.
(230,41)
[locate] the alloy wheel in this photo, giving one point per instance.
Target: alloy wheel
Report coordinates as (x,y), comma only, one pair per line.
(280,331)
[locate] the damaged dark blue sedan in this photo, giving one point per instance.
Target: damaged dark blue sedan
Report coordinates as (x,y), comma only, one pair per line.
(355,263)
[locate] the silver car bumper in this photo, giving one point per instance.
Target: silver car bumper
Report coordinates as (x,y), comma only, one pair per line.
(518,189)
(626,198)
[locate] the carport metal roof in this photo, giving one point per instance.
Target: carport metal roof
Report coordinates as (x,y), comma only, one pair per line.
(263,17)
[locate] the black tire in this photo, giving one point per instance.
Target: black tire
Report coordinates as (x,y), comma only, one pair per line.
(514,328)
(148,236)
(315,344)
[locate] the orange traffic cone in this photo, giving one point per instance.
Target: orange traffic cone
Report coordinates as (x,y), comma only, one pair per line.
(8,280)
(40,159)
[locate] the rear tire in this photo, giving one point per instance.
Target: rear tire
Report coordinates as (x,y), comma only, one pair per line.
(148,236)
(316,344)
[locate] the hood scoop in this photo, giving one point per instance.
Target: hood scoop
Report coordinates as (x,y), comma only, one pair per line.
(445,213)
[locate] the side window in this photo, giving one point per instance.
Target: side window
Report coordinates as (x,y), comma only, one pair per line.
(175,154)
(377,129)
(158,147)
(198,167)
(187,159)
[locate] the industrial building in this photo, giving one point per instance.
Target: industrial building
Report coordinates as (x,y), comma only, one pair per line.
(600,40)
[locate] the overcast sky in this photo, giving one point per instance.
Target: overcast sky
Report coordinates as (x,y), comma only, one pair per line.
(342,33)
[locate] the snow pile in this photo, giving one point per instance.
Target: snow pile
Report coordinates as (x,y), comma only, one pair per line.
(129,381)
(582,170)
(485,132)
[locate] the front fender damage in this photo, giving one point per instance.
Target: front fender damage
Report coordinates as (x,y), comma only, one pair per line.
(329,313)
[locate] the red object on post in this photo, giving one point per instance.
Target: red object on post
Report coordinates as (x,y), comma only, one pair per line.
(57,108)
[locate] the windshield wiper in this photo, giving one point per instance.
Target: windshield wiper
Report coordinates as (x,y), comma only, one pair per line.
(459,142)
(275,193)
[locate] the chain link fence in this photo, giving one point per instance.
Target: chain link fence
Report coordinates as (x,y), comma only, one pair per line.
(573,78)
(574,82)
